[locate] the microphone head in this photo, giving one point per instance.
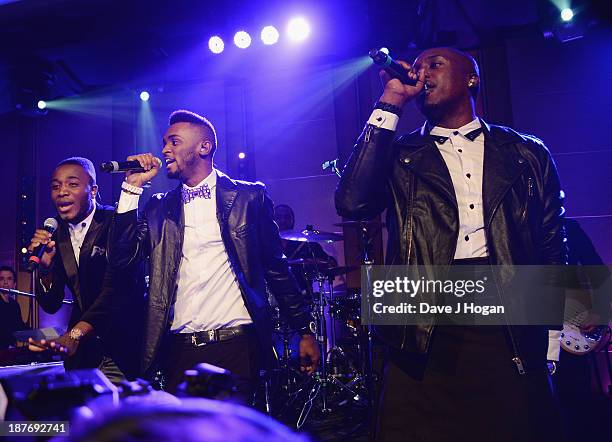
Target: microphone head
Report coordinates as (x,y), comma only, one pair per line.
(50,225)
(109,166)
(378,56)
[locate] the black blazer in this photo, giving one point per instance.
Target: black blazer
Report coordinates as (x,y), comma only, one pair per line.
(252,242)
(111,301)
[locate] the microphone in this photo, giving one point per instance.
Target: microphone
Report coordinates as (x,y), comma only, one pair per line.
(50,225)
(391,66)
(124,166)
(333,165)
(329,164)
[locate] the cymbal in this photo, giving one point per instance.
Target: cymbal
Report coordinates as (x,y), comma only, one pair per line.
(336,271)
(310,235)
(309,262)
(359,224)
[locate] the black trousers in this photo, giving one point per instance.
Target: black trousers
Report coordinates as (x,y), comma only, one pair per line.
(241,355)
(466,389)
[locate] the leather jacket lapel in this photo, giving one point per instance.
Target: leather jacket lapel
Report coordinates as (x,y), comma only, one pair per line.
(174,225)
(424,159)
(502,167)
(226,195)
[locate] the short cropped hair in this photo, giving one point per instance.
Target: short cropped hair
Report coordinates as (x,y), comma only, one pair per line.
(185,116)
(86,164)
(9,269)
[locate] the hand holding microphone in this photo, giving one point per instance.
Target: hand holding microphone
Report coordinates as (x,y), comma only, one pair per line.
(150,167)
(42,248)
(400,81)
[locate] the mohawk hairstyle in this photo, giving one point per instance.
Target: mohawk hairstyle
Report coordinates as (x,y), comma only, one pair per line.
(185,116)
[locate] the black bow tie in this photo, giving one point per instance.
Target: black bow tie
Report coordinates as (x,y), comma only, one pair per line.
(470,136)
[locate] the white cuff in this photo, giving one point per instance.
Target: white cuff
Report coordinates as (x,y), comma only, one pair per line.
(384,119)
(554,345)
(127,202)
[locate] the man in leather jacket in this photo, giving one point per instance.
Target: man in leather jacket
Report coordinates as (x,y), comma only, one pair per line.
(213,247)
(456,191)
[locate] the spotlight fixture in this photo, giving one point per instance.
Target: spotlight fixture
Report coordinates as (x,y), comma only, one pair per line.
(269,35)
(215,44)
(242,155)
(567,14)
(42,105)
(144,96)
(298,29)
(242,39)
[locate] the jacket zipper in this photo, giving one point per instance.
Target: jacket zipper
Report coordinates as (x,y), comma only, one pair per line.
(530,187)
(368,133)
(529,195)
(516,359)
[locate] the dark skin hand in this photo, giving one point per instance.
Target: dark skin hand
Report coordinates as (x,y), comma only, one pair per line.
(63,345)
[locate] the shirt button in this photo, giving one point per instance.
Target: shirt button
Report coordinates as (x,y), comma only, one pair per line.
(469,175)
(471,206)
(467,238)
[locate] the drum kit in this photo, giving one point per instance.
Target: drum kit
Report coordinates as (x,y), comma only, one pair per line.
(344,376)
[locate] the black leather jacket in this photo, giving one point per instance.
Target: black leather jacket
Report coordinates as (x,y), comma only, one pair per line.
(251,239)
(408,177)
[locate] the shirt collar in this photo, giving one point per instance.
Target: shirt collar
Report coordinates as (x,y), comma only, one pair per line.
(211,180)
(463,130)
(83,224)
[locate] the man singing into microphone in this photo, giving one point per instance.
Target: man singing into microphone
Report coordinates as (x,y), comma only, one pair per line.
(457,191)
(213,248)
(105,324)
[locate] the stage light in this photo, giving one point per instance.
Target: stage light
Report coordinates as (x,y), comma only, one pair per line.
(144,96)
(215,44)
(567,14)
(242,155)
(385,50)
(298,29)
(269,35)
(242,39)
(41,104)
(24,250)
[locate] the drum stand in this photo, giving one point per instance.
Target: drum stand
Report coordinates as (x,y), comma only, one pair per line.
(368,262)
(323,380)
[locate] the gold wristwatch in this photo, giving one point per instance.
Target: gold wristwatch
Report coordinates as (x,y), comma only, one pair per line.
(76,334)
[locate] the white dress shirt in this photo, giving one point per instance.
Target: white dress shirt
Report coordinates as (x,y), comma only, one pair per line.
(464,159)
(208,295)
(78,232)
